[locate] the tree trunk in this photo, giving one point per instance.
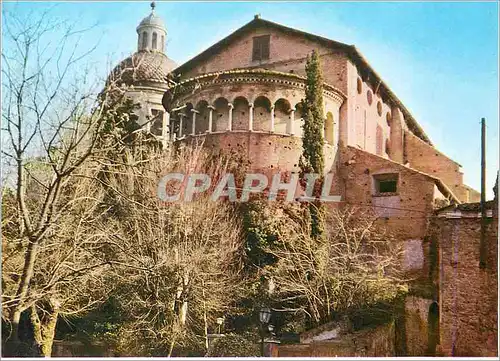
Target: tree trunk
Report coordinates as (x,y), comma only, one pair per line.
(22,290)
(12,348)
(44,328)
(14,320)
(48,335)
(205,323)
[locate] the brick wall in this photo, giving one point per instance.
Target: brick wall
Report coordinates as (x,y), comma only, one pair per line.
(375,342)
(404,213)
(362,114)
(468,294)
(416,326)
(264,152)
(365,116)
(287,54)
(428,159)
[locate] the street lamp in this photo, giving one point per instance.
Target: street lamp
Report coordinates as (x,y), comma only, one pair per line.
(264,317)
(220,321)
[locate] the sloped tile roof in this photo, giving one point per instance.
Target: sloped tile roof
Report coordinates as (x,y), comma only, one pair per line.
(143,67)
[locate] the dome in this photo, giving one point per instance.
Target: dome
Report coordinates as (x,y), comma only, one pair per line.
(152,20)
(143,67)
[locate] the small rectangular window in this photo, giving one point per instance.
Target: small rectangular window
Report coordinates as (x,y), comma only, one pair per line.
(156,122)
(261,47)
(385,184)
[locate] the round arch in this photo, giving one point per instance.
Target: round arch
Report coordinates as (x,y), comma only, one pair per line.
(433,332)
(202,118)
(299,120)
(262,114)
(282,115)
(221,114)
(187,122)
(329,129)
(240,113)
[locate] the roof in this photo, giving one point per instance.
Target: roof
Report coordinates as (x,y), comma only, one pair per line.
(254,74)
(350,50)
(443,188)
(469,207)
(152,20)
(144,67)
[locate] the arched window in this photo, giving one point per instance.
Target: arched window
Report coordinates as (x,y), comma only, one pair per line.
(162,43)
(329,130)
(221,115)
(240,113)
(359,85)
(144,40)
(155,40)
(262,114)
(157,122)
(282,115)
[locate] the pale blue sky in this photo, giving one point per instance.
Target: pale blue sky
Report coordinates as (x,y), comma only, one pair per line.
(441,59)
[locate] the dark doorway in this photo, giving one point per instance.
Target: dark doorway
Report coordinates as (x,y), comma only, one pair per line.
(433,329)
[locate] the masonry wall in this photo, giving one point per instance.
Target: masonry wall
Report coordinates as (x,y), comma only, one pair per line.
(367,111)
(428,159)
(287,53)
(261,152)
(416,326)
(404,213)
(468,294)
(376,342)
(366,118)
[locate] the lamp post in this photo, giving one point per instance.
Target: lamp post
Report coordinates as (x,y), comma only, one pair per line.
(264,317)
(220,320)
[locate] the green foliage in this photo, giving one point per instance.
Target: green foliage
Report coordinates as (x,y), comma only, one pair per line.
(261,232)
(312,159)
(312,111)
(317,214)
(234,345)
(101,324)
(119,115)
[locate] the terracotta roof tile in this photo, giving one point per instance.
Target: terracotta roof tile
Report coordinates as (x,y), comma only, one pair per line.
(144,67)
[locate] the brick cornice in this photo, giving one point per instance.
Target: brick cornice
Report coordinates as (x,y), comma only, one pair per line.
(249,76)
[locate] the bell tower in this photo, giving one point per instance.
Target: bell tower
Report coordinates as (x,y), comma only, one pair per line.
(151,33)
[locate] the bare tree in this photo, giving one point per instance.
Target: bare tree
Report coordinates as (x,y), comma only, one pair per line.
(53,117)
(357,265)
(177,264)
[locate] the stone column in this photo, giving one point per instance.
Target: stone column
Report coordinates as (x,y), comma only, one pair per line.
(165,126)
(165,130)
(250,116)
(230,118)
(193,125)
(210,118)
(181,116)
(291,124)
(272,118)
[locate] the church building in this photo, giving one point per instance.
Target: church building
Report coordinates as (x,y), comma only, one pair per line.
(243,95)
